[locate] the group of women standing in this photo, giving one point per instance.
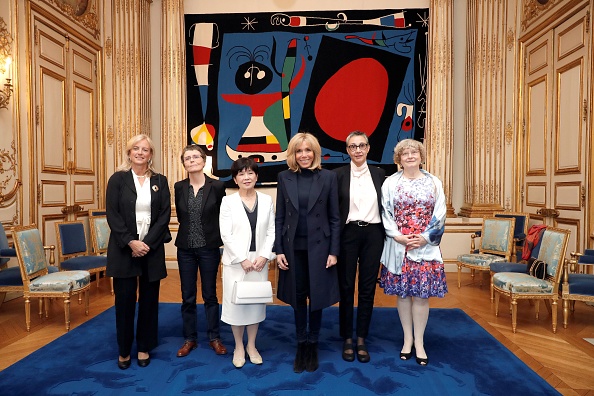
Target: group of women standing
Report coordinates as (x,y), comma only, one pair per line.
(328,226)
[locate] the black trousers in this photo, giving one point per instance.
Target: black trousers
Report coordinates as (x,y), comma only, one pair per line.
(147,324)
(302,310)
(363,246)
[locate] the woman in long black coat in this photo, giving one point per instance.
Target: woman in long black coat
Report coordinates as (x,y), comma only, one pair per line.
(138,211)
(307,243)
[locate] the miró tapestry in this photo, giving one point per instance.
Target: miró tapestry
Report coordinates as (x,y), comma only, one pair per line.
(256,79)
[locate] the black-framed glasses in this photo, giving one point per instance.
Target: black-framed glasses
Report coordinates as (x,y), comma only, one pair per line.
(360,146)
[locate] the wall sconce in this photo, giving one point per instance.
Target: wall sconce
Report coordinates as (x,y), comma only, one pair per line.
(5,60)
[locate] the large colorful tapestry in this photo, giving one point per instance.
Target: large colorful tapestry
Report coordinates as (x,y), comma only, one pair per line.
(256,79)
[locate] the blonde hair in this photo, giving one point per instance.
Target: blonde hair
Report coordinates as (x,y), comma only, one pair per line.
(412,144)
(127,164)
(312,142)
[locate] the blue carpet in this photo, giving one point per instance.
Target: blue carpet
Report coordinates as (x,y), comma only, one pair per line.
(464,360)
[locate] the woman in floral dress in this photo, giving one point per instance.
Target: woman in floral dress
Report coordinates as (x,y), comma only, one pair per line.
(414,214)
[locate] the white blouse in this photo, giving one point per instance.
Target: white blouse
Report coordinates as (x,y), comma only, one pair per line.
(143,206)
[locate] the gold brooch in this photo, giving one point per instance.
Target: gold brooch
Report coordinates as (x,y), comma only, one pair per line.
(155,188)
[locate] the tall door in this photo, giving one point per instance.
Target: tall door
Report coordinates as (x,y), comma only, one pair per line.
(556,86)
(66,132)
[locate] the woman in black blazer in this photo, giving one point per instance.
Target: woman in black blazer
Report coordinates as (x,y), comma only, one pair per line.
(197,203)
(138,211)
(307,242)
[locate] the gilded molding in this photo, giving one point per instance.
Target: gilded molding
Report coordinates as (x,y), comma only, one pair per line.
(8,174)
(108,47)
(511,39)
(509,133)
(533,9)
(87,17)
(109,135)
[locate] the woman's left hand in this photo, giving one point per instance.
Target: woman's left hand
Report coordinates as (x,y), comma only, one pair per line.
(416,241)
(259,263)
(331,261)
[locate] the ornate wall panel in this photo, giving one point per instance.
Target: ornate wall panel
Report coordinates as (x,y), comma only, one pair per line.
(439,134)
(485,118)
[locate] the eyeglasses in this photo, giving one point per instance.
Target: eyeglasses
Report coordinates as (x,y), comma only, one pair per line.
(192,157)
(360,146)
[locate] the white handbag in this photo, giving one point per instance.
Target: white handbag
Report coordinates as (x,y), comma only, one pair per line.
(251,292)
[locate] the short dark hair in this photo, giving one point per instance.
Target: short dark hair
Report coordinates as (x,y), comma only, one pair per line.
(192,147)
(242,164)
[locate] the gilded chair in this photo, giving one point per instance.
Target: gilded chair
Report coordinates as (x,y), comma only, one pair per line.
(38,282)
(520,266)
(523,286)
(520,231)
(10,277)
(97,212)
(100,237)
(496,245)
(73,252)
(578,281)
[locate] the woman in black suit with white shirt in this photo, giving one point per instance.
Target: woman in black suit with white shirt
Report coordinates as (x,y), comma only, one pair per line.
(307,243)
(138,211)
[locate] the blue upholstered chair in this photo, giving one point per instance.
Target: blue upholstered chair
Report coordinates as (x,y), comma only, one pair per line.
(38,282)
(99,237)
(578,281)
(97,212)
(520,286)
(73,253)
(520,266)
(496,245)
(10,277)
(520,231)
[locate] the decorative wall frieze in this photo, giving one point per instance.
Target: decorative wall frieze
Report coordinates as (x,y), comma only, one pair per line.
(535,8)
(109,135)
(83,14)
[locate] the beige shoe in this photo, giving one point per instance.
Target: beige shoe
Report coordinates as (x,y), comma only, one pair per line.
(238,361)
(255,358)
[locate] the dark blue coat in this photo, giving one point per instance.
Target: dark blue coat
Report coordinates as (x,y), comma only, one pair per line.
(323,231)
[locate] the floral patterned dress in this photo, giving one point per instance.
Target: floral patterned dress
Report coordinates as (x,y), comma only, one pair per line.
(413,208)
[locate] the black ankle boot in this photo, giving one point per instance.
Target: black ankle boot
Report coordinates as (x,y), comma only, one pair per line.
(311,360)
(299,364)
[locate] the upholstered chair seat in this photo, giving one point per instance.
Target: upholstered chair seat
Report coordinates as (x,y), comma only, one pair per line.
(578,282)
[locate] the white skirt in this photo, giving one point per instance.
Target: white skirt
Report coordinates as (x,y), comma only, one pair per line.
(245,314)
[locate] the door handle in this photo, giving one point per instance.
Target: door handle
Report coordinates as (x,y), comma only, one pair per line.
(547,212)
(69,209)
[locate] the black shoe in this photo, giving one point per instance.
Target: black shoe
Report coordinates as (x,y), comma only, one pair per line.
(422,362)
(311,358)
(363,357)
(348,356)
(124,364)
(299,364)
(405,356)
(144,362)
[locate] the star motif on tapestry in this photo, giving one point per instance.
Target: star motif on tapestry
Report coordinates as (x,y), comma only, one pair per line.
(249,23)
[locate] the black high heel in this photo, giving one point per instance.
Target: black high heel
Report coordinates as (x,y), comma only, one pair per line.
(422,361)
(405,356)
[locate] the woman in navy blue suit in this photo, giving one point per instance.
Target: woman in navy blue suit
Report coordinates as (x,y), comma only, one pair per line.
(307,243)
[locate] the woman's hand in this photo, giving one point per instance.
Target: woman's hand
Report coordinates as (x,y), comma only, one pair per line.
(331,261)
(412,241)
(282,262)
(139,248)
(247,265)
(259,263)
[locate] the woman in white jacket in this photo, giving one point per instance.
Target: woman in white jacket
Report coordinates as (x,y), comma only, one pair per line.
(247,231)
